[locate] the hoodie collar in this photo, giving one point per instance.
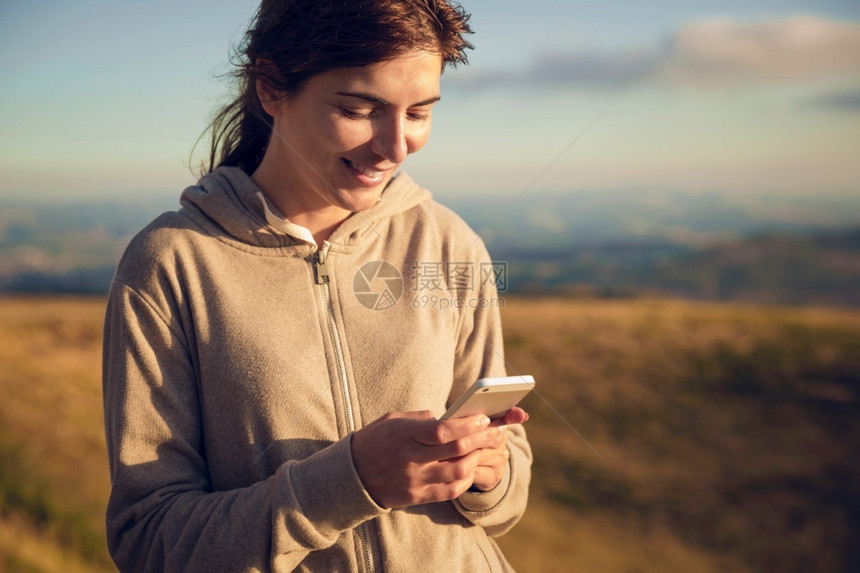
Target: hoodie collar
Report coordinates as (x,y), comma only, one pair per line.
(228,197)
(279,222)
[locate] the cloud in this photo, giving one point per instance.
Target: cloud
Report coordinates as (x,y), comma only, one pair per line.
(587,69)
(724,53)
(710,54)
(838,101)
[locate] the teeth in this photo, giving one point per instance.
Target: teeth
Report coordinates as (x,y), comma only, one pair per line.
(365,170)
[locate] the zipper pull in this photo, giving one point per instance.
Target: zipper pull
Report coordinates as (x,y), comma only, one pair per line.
(319,265)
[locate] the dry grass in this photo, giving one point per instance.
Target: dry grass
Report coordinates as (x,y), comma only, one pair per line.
(28,549)
(727,435)
(726,432)
(53,467)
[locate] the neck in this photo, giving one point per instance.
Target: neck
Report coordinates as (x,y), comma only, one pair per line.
(306,209)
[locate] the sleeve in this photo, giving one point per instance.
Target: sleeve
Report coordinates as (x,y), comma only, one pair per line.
(480,353)
(162,514)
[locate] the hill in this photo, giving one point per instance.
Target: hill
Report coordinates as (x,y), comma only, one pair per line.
(800,250)
(668,436)
(815,267)
(67,247)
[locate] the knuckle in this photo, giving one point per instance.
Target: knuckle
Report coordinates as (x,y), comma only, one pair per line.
(417,493)
(462,471)
(412,480)
(501,441)
(452,490)
(462,446)
(441,434)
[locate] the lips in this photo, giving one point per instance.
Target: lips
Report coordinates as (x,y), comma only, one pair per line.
(366,175)
(369,171)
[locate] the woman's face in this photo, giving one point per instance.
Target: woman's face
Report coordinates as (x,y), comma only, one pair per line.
(338,141)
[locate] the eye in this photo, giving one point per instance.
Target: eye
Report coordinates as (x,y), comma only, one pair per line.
(353,114)
(418,115)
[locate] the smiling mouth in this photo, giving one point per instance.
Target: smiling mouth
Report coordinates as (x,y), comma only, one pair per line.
(366,171)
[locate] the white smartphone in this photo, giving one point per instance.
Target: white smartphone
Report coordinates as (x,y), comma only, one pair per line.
(491,396)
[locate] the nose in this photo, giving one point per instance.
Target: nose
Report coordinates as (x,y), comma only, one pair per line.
(391,140)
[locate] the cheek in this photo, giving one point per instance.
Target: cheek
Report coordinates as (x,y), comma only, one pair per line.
(418,137)
(342,135)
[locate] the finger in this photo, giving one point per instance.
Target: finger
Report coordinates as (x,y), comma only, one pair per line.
(490,469)
(487,478)
(494,458)
(457,448)
(451,470)
(445,491)
(515,415)
(435,432)
(499,443)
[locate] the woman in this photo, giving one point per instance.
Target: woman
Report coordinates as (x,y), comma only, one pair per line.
(263,410)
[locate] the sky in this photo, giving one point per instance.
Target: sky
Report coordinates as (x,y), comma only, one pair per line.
(102,98)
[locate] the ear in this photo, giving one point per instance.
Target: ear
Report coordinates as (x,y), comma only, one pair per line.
(270,98)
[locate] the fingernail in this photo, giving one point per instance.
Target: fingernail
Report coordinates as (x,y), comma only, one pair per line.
(484,421)
(502,428)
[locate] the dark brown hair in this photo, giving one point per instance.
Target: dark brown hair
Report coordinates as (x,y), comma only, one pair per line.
(302,38)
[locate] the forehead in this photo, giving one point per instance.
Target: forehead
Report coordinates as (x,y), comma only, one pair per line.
(410,75)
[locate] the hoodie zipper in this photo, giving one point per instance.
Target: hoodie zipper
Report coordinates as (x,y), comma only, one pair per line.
(323,279)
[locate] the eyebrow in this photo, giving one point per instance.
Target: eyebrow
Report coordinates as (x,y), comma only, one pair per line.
(376,99)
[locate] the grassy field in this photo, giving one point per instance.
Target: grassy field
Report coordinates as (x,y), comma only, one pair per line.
(53,465)
(726,436)
(668,436)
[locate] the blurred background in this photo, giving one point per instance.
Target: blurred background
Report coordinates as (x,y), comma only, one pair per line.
(673,185)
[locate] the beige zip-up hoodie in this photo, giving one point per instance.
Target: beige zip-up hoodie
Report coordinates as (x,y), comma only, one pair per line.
(238,361)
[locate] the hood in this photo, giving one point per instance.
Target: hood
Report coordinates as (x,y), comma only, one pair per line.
(227,198)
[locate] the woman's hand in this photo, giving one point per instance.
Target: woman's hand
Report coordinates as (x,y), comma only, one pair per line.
(411,458)
(494,459)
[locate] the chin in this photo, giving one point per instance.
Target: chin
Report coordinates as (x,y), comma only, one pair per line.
(362,199)
(354,204)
